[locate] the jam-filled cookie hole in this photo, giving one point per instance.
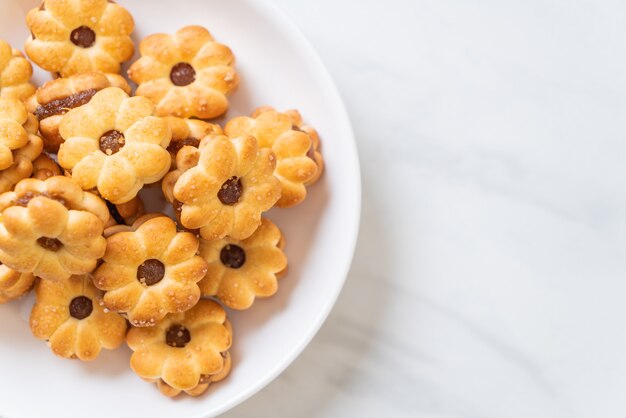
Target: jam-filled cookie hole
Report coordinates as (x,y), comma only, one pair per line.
(150,272)
(111,142)
(83,36)
(182,74)
(50,244)
(233,256)
(177,336)
(176,146)
(231,191)
(81,307)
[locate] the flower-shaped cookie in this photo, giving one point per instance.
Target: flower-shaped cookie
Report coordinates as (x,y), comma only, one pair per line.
(114,144)
(188,132)
(13,284)
(19,143)
(57,97)
(51,228)
(15,74)
(69,316)
(187,74)
(228,189)
(77,36)
(185,351)
(239,271)
(45,167)
(298,161)
(150,270)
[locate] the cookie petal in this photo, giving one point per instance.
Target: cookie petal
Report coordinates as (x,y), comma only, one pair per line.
(148,363)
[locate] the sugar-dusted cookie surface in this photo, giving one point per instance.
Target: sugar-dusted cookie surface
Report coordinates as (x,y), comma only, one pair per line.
(185,351)
(15,74)
(241,270)
(224,186)
(150,270)
(115,144)
(19,143)
(57,97)
(187,74)
(51,228)
(69,315)
(13,284)
(45,167)
(299,162)
(77,36)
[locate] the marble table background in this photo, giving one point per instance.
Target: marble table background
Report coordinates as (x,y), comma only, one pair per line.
(489,278)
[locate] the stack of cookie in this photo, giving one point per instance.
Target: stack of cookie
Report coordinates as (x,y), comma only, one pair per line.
(75,153)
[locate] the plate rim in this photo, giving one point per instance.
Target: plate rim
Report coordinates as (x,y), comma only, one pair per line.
(277,15)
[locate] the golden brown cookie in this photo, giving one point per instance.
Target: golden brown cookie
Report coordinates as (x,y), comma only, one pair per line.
(239,271)
(19,143)
(15,74)
(187,74)
(228,188)
(298,160)
(150,270)
(77,36)
(185,351)
(45,167)
(13,284)
(188,132)
(186,158)
(125,213)
(115,144)
(57,97)
(51,228)
(70,317)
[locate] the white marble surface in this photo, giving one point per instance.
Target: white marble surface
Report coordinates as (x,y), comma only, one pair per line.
(489,279)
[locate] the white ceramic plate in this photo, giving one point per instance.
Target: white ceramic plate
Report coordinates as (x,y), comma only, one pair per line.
(278,67)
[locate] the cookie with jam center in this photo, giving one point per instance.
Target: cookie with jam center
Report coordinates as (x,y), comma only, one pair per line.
(115,144)
(69,316)
(222,187)
(79,36)
(149,270)
(57,97)
(187,74)
(185,352)
(51,228)
(241,270)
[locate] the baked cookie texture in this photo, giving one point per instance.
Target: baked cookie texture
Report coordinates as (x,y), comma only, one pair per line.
(114,144)
(187,74)
(13,284)
(125,213)
(45,167)
(19,143)
(299,162)
(224,186)
(185,351)
(188,132)
(15,74)
(239,271)
(69,316)
(51,228)
(150,270)
(77,36)
(57,97)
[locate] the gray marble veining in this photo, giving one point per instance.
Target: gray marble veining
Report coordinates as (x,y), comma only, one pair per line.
(489,277)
